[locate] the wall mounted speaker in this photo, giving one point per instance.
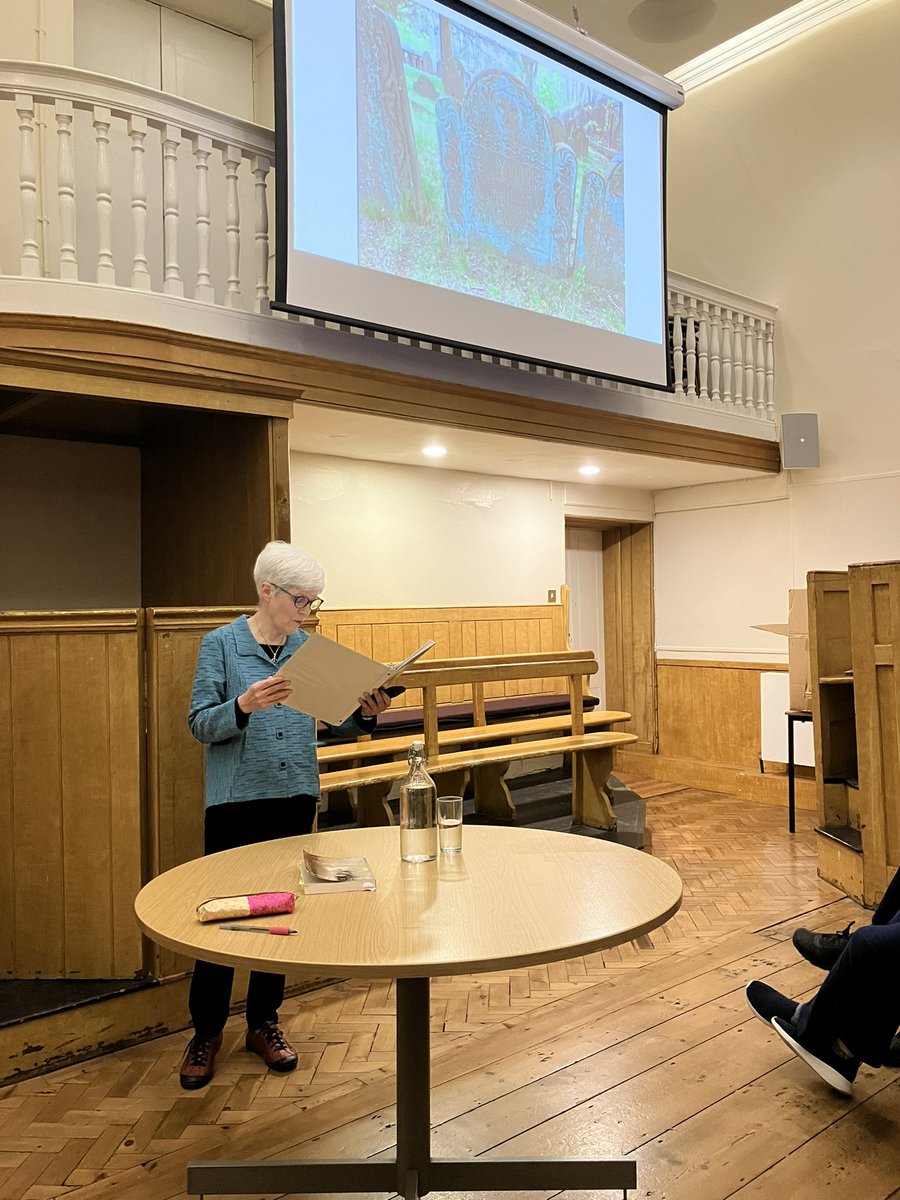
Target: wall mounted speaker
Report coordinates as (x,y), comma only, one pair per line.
(799,440)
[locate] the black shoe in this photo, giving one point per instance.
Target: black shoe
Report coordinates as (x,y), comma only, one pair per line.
(893,1055)
(838,1072)
(199,1062)
(766,1003)
(821,949)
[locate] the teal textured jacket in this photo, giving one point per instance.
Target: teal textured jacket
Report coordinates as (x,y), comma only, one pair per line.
(274,755)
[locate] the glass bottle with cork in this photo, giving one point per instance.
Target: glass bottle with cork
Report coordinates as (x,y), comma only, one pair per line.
(418,827)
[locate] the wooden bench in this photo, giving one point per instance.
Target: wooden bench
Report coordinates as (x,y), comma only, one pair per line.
(485,751)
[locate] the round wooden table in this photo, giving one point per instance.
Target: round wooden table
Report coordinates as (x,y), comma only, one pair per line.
(512,898)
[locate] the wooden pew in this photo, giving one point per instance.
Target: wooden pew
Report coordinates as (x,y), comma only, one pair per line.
(484,750)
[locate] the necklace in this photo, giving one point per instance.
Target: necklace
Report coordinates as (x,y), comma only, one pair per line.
(270,650)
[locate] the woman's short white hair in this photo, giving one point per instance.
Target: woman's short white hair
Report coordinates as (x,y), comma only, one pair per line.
(288,566)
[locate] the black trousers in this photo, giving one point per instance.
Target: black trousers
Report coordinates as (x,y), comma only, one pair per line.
(859,1002)
(226,826)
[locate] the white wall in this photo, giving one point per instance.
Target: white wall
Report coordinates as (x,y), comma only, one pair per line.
(391,536)
(783,178)
(70,533)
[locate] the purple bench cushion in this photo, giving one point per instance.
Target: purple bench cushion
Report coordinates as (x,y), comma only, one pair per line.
(453,716)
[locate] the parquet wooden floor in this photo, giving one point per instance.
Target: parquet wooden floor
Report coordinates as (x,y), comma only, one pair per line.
(645,1050)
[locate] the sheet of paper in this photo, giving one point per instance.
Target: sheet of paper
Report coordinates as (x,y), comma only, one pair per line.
(328,678)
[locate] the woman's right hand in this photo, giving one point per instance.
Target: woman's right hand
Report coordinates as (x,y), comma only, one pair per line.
(264,694)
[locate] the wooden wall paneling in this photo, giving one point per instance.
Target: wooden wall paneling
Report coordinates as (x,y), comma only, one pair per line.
(390,634)
(209,491)
(85,793)
(76,792)
(128,821)
(7,811)
(709,712)
(629,634)
(279,464)
(175,760)
(37,809)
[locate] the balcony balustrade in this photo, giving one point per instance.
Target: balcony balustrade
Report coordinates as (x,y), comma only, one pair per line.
(124,186)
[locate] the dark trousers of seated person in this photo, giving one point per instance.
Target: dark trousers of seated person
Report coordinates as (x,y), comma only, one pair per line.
(859,1001)
(242,824)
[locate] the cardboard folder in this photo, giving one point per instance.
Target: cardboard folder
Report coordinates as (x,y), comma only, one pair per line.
(328,678)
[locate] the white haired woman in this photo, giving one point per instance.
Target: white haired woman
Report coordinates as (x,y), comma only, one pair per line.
(262,777)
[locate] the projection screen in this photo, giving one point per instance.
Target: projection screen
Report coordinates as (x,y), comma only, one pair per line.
(449,177)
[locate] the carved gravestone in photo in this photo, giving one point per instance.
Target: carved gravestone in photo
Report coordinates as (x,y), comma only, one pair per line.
(390,182)
(600,240)
(505,185)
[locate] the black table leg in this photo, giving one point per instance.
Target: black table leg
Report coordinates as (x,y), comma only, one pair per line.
(790,767)
(413,1173)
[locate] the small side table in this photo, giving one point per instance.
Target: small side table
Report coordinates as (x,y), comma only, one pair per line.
(793,715)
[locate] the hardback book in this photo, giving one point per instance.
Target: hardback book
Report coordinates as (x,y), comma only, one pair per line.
(328,678)
(320,874)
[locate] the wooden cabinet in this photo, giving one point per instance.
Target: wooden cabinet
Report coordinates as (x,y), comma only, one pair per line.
(854,626)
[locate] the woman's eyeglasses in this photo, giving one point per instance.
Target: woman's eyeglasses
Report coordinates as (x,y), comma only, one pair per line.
(313,603)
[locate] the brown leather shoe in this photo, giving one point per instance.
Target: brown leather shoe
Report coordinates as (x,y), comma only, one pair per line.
(270,1044)
(199,1062)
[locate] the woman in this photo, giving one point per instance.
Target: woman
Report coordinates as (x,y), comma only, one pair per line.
(262,777)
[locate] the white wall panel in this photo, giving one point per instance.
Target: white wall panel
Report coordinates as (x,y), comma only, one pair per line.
(119,38)
(395,535)
(718,572)
(206,64)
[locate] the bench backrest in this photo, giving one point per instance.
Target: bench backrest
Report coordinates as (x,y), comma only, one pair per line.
(473,676)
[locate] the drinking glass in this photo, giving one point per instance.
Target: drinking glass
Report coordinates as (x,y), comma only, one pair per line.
(449,819)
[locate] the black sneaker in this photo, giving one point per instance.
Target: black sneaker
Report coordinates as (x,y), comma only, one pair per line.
(837,1072)
(821,949)
(893,1055)
(766,1003)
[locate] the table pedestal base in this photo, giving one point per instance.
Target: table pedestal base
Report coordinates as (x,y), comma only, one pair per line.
(413,1172)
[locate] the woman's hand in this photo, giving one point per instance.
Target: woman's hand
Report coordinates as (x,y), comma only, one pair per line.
(264,694)
(374,703)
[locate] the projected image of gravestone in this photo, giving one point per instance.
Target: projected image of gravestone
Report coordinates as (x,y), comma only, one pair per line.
(487,170)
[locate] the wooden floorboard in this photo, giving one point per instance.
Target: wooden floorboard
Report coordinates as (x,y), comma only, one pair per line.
(646,1050)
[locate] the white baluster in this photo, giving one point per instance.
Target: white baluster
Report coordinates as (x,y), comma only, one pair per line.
(260,166)
(140,275)
(678,345)
(204,289)
(715,354)
(737,375)
(690,330)
(231,157)
(65,188)
(727,359)
(172,284)
(749,370)
(759,390)
(30,261)
(703,353)
(106,271)
(770,370)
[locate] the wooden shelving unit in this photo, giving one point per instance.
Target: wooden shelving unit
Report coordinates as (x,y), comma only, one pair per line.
(854,626)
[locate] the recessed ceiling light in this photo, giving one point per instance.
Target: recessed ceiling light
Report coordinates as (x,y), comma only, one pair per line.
(434,451)
(589,470)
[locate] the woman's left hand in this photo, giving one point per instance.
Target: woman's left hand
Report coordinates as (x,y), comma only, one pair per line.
(374,703)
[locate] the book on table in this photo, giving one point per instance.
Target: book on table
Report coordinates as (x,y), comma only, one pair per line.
(328,678)
(320,874)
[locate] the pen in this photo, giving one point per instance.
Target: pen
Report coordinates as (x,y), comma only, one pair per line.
(279,929)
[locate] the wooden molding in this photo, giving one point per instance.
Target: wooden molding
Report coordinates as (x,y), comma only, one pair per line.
(721,664)
(92,357)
